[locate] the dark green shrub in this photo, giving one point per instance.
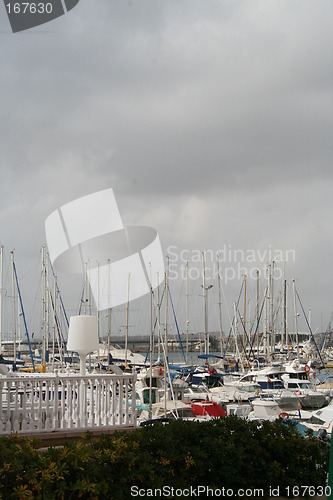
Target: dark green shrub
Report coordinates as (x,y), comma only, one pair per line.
(227,452)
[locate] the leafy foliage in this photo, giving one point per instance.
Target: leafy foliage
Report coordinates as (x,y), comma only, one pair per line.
(228,451)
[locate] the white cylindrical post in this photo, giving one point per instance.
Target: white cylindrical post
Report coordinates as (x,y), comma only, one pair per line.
(83,358)
(83,339)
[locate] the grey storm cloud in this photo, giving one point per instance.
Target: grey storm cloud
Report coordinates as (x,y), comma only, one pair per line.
(210,120)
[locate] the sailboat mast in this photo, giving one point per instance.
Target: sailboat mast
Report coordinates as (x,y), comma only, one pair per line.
(287,334)
(54,321)
(272,309)
(166,298)
(44,302)
(258,283)
(152,315)
(109,312)
(14,305)
(220,304)
(244,320)
(166,353)
(127,315)
(187,317)
(47,304)
(206,335)
(234,330)
(85,295)
(19,327)
(266,350)
(151,344)
(159,321)
(98,316)
(1,288)
(268,311)
(284,340)
(296,315)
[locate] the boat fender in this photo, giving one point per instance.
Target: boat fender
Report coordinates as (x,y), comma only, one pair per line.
(161,371)
(283,414)
(307,369)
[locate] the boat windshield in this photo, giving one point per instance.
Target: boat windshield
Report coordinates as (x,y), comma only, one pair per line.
(299,385)
(185,412)
(196,390)
(213,381)
(305,385)
(249,388)
(316,420)
(202,388)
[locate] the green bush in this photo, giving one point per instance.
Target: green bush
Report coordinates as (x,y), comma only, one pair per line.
(228,452)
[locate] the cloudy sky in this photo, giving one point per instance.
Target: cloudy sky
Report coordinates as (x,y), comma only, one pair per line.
(212,121)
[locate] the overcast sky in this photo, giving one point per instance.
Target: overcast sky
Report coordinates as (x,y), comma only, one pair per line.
(211,120)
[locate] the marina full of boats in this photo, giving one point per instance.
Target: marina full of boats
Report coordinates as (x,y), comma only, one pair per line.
(262,370)
(123,390)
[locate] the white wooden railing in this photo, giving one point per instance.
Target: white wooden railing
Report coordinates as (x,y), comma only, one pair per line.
(41,403)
